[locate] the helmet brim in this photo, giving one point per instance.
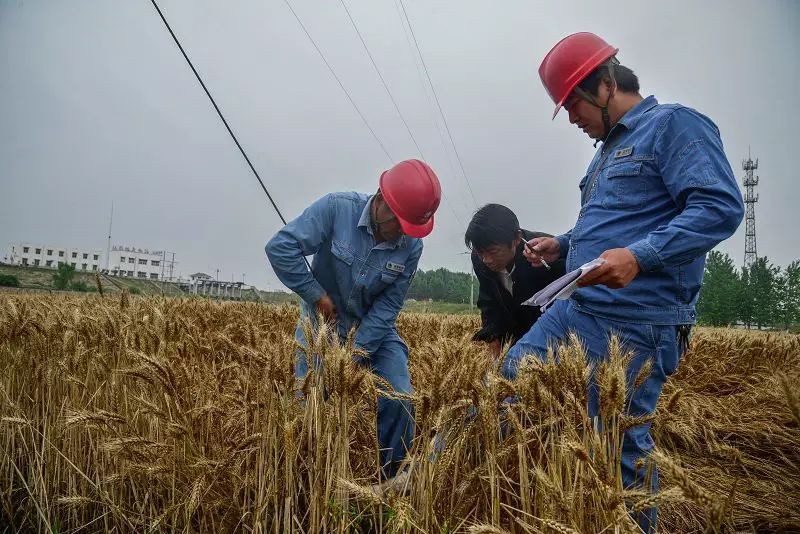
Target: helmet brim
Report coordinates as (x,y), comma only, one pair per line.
(416,230)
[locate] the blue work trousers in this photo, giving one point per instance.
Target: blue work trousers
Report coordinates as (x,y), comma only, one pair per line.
(646,341)
(395,418)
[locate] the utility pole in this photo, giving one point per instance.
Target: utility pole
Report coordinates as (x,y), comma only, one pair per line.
(471,290)
(108,245)
(750,198)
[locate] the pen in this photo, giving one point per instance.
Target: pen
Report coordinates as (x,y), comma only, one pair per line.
(541,259)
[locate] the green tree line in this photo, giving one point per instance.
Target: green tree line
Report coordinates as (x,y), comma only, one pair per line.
(761,295)
(442,285)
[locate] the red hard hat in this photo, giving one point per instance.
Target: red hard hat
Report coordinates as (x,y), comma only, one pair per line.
(412,191)
(570,61)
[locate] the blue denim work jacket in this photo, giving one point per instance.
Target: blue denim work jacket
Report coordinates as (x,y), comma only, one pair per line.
(367,282)
(661,186)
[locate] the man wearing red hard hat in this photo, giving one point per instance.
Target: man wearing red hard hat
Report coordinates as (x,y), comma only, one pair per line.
(366,249)
(657,196)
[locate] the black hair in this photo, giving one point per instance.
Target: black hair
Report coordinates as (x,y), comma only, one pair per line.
(493,224)
(626,80)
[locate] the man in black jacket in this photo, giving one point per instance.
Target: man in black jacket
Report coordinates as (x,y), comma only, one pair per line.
(506,278)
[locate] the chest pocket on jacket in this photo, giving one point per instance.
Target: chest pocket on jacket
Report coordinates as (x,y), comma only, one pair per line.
(625,187)
(342,252)
(343,264)
(382,281)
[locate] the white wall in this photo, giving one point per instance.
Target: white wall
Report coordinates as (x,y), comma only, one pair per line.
(123,261)
(35,254)
(136,263)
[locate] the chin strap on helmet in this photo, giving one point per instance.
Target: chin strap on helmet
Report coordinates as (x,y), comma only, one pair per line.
(374,223)
(590,98)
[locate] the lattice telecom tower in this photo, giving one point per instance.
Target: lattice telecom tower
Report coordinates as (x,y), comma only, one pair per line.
(750,199)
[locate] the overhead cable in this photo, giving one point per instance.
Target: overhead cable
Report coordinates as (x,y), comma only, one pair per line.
(438,104)
(346,92)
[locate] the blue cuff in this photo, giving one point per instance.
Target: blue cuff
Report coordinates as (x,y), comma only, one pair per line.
(314,292)
(646,256)
(563,242)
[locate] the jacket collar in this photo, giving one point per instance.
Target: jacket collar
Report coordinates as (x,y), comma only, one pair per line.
(365,221)
(632,117)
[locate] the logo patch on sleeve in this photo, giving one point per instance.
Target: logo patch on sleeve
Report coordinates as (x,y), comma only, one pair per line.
(396,267)
(622,152)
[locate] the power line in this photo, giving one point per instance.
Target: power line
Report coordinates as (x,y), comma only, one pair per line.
(222,117)
(391,97)
(330,68)
(438,104)
(216,107)
(434,121)
(383,81)
(425,90)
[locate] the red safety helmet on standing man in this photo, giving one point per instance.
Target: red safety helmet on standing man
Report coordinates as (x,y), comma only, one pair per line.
(571,60)
(412,191)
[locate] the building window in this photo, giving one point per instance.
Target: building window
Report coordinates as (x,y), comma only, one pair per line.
(130,260)
(38,251)
(25,250)
(83,267)
(94,267)
(24,261)
(49,263)
(96,257)
(142,261)
(130,273)
(140,274)
(85,256)
(60,253)
(73,264)
(74,254)
(49,252)
(155,263)
(154,276)
(36,262)
(122,259)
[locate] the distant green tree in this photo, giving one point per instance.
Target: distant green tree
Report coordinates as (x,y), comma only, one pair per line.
(718,304)
(80,285)
(63,276)
(760,296)
(441,285)
(788,296)
(9,280)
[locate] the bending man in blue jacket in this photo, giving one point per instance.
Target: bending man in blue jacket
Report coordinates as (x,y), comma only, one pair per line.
(658,195)
(366,249)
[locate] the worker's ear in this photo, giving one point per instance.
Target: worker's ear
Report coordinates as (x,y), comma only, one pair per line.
(610,84)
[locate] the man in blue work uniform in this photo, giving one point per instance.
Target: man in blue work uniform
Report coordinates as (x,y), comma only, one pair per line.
(658,195)
(366,249)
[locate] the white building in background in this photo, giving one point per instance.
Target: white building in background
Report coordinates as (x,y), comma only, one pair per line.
(131,262)
(204,284)
(137,263)
(36,255)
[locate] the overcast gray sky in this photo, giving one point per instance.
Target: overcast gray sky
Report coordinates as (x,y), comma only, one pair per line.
(96,104)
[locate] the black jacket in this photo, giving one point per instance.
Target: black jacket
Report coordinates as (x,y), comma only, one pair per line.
(502,315)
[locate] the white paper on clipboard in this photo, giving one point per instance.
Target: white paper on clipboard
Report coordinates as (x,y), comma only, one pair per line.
(562,288)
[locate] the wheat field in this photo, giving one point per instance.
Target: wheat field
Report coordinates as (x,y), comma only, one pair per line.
(122,414)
